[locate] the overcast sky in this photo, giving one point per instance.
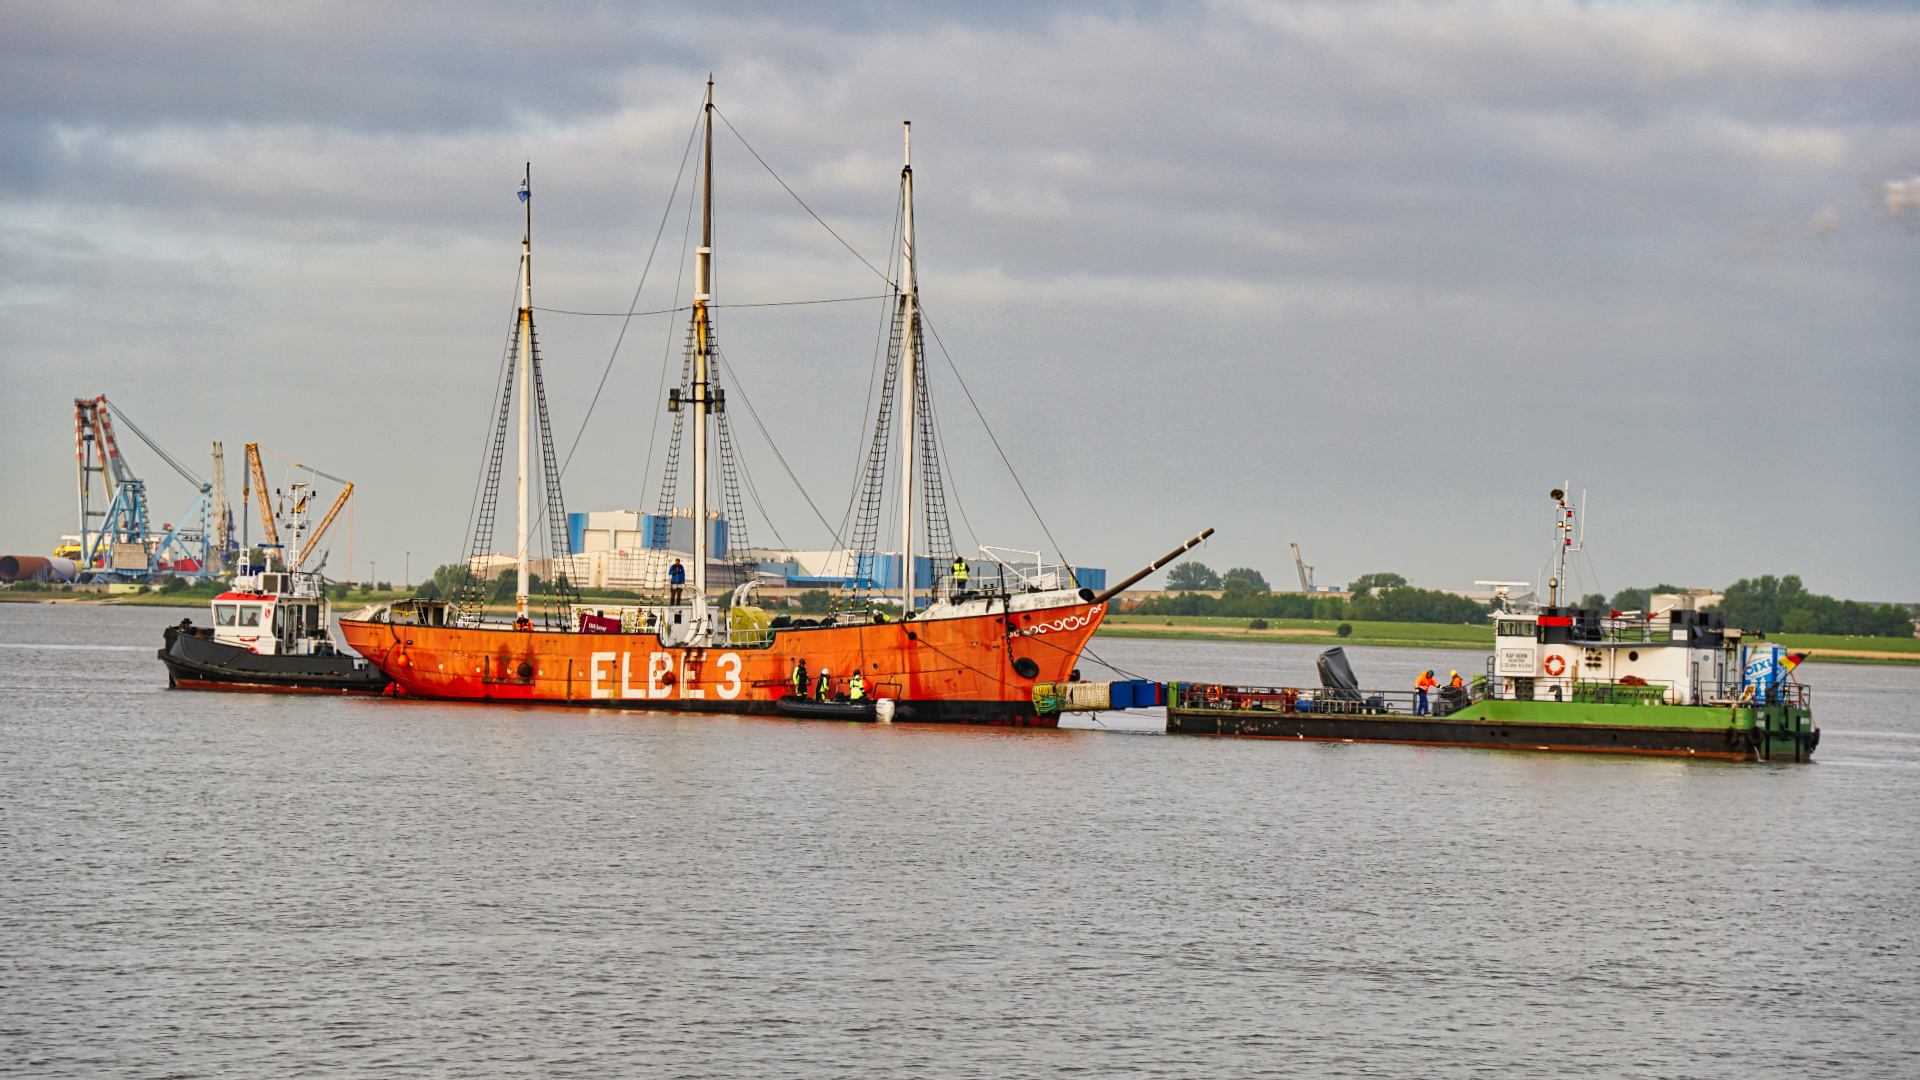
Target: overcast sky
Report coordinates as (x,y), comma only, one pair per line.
(1372,278)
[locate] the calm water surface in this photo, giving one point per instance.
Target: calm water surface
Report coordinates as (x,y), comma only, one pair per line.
(259,886)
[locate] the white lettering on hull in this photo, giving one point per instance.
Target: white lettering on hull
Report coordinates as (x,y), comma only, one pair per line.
(594,675)
(659,664)
(626,677)
(687,689)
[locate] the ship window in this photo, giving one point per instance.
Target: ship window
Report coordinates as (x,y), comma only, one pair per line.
(249,614)
(223,614)
(1514,629)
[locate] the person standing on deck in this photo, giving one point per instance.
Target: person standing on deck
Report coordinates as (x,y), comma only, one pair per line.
(823,690)
(677,578)
(1457,683)
(856,687)
(959,575)
(800,678)
(1421,686)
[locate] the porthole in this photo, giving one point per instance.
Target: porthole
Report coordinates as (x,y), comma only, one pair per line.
(1634,655)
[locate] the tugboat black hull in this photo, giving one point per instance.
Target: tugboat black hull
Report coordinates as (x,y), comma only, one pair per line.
(196,663)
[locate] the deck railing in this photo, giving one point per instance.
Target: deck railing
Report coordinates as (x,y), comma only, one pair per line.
(1198,696)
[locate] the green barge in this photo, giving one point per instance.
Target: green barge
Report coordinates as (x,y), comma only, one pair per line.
(1675,681)
(1777,728)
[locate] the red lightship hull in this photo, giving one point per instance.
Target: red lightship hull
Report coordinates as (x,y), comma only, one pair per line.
(953,670)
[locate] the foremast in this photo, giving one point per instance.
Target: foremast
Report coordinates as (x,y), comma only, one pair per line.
(525,365)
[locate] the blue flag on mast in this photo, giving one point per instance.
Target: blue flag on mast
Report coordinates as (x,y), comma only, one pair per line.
(524,193)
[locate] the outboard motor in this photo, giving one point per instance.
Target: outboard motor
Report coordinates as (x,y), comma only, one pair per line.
(1336,677)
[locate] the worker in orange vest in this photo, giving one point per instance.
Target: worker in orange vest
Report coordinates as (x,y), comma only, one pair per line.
(1421,686)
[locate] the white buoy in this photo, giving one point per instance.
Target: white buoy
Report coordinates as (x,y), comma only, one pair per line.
(883,711)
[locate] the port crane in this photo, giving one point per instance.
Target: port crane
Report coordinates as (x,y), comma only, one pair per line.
(1306,572)
(117,543)
(304,544)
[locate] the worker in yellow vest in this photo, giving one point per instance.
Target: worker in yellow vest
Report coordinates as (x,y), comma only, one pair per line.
(800,678)
(823,689)
(959,574)
(856,687)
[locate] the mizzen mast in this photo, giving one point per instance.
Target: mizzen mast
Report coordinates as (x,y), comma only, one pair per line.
(909,370)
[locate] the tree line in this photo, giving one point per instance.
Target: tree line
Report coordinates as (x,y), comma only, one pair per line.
(1780,605)
(1784,606)
(1376,598)
(1766,604)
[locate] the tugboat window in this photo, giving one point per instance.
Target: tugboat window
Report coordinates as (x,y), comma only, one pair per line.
(223,614)
(249,614)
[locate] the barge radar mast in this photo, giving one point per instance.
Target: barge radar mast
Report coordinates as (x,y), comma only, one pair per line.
(522,585)
(1564,544)
(910,362)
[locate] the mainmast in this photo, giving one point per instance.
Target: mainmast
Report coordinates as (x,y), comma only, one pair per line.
(525,363)
(909,369)
(702,354)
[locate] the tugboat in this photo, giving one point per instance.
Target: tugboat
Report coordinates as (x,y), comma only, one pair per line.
(1675,682)
(270,630)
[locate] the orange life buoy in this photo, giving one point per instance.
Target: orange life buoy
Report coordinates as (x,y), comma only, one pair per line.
(1556,665)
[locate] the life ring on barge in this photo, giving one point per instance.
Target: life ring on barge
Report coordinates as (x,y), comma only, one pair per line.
(1556,665)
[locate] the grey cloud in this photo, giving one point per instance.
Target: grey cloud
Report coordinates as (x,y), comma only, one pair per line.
(1355,272)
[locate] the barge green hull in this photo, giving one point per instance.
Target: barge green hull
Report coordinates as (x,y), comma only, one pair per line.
(1731,732)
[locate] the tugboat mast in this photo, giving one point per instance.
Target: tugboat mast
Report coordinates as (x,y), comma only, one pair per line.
(702,354)
(525,363)
(909,446)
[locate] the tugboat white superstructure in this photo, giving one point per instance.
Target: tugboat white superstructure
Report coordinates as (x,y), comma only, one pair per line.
(271,631)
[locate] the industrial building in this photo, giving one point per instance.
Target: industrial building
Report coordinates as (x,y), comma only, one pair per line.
(629,549)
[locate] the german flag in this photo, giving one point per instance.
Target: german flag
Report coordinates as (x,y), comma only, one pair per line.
(1792,660)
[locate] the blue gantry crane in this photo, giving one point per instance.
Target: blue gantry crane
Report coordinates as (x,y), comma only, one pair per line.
(117,541)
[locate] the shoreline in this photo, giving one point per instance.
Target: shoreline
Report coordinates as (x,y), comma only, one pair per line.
(1295,637)
(1275,636)
(1288,637)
